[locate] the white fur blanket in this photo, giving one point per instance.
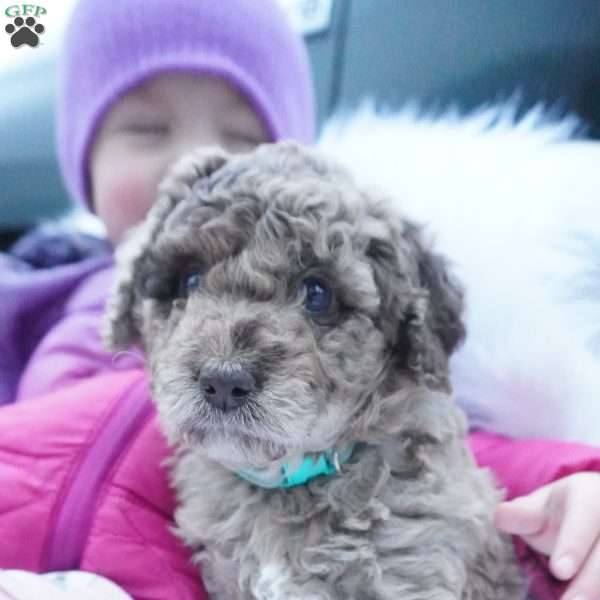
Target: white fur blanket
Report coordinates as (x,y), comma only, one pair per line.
(516,207)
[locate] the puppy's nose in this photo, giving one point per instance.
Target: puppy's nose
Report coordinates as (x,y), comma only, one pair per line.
(226,389)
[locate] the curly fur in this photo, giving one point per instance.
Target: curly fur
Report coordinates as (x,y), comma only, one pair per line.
(410,514)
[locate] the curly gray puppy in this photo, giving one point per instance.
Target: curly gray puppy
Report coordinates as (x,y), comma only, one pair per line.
(298,334)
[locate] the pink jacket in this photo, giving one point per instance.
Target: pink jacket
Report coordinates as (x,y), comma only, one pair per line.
(82,486)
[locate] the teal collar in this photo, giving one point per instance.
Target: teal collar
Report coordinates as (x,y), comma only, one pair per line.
(310,466)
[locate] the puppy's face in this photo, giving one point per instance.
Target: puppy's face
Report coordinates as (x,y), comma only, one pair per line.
(277,302)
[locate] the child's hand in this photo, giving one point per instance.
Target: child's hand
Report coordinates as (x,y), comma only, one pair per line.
(562,520)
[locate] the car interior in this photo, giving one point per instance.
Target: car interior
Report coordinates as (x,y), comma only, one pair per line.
(438,55)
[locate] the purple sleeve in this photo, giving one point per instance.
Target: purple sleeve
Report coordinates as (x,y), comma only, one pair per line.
(71,349)
(33,302)
(71,352)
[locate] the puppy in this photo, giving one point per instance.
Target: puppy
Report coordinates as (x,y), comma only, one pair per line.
(298,333)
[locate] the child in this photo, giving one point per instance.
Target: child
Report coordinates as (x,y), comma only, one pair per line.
(142,82)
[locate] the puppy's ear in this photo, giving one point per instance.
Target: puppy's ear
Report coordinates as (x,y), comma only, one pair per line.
(432,327)
(421,299)
(445,294)
(123,319)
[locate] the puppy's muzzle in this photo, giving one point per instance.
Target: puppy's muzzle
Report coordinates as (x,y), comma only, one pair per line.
(226,388)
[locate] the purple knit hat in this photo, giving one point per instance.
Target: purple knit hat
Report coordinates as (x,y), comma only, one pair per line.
(111,47)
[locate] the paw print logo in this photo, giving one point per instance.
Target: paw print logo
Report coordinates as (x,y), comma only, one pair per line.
(24,32)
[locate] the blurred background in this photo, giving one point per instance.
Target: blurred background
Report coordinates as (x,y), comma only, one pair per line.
(436,52)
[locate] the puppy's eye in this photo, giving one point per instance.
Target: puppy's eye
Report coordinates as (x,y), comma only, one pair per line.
(318,295)
(189,283)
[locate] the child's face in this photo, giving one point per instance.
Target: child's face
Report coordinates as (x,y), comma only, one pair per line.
(150,128)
